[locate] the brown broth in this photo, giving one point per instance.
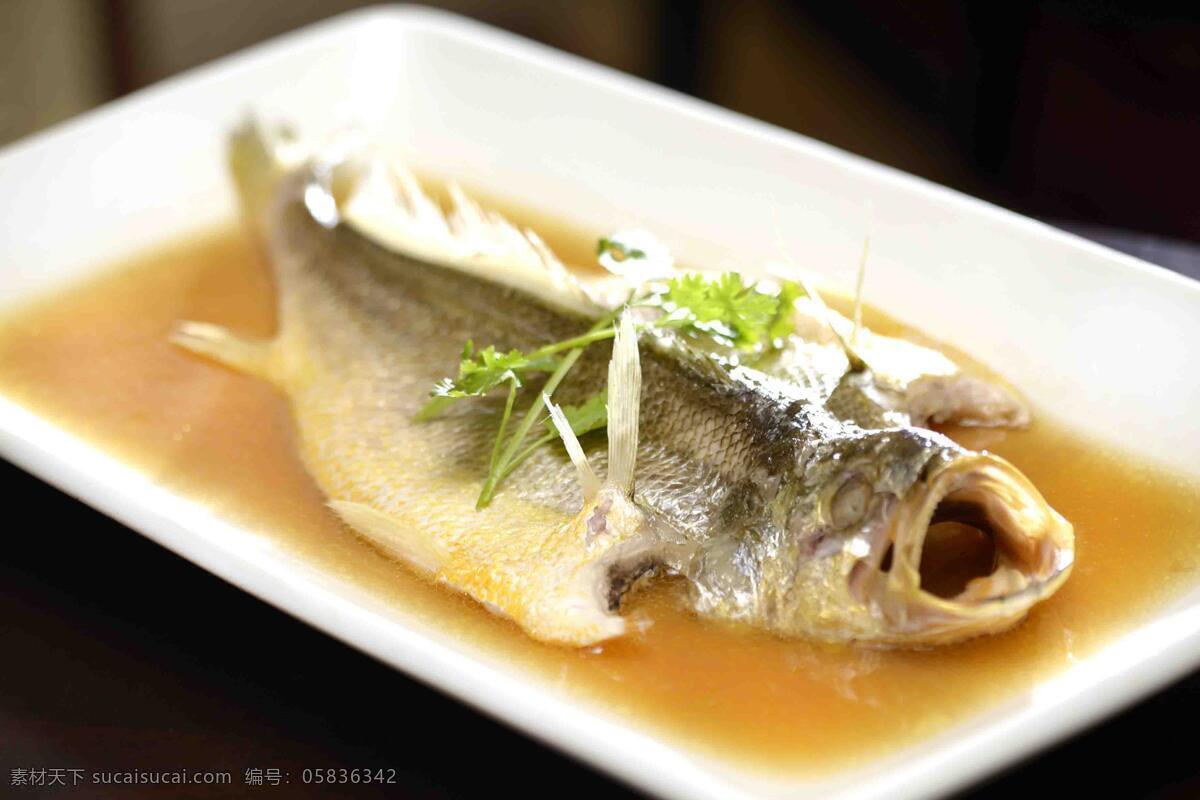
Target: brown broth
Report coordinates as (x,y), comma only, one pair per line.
(95,360)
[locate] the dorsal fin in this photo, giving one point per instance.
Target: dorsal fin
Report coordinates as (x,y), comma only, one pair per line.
(388,205)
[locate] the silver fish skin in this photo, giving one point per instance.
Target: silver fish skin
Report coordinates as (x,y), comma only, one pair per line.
(779,514)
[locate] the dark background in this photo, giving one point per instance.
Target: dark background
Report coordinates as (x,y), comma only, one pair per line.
(1082,112)
(114,653)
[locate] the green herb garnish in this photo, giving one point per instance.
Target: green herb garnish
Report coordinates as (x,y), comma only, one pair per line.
(480,372)
(590,415)
(618,250)
(727,309)
(724,308)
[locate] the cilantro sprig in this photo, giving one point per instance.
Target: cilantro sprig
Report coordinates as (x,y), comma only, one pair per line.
(752,318)
(735,314)
(480,372)
(618,249)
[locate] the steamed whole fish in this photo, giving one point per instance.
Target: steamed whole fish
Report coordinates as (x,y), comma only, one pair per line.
(758,486)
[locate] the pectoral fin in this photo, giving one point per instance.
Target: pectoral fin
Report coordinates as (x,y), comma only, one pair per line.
(624,394)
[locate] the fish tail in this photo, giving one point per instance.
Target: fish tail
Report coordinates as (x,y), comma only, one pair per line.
(253,166)
(253,357)
(624,396)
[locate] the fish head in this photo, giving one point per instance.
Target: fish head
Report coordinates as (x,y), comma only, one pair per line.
(899,536)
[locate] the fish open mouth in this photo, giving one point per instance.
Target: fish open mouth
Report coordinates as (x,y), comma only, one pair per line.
(975,546)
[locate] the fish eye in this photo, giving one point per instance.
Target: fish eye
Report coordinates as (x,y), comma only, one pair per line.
(850,501)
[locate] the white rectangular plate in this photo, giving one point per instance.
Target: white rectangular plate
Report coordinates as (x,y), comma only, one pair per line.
(551,131)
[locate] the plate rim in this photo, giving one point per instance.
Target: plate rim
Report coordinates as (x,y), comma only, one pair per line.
(1169,642)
